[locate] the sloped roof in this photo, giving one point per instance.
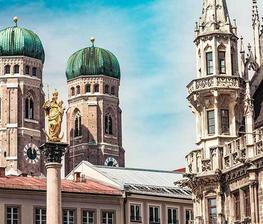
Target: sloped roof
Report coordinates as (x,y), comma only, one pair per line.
(146,181)
(39,184)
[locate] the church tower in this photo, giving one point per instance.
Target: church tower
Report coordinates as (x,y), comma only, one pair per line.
(21,99)
(94,129)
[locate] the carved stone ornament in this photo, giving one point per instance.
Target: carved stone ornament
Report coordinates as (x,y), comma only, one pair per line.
(53,152)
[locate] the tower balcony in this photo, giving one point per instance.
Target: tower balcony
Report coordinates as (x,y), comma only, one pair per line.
(215,82)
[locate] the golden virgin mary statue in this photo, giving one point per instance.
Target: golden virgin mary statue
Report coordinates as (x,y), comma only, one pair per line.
(54,111)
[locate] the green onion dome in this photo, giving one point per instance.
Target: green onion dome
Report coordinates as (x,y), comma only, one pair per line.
(17,41)
(92,61)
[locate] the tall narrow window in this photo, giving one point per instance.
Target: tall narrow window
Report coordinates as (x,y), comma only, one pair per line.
(106,89)
(88,217)
(12,215)
(78,90)
(68,216)
(209,63)
(87,88)
(7,69)
(77,129)
(108,124)
(237,205)
(72,91)
(29,108)
(27,70)
(40,216)
(172,216)
(135,211)
(222,62)
(154,215)
(112,92)
(34,71)
(188,216)
(211,122)
(247,202)
(108,218)
(96,88)
(212,210)
(16,69)
(225,121)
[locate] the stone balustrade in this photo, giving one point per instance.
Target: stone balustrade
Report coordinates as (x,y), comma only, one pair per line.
(215,81)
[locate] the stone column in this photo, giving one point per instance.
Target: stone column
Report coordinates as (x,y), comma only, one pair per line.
(53,152)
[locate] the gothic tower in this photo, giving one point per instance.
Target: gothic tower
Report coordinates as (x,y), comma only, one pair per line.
(21,99)
(94,129)
(216,97)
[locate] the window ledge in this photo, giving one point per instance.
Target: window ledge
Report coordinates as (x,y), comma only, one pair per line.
(77,137)
(110,136)
(31,121)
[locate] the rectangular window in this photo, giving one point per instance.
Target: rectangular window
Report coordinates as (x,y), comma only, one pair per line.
(222,62)
(107,217)
(247,202)
(154,217)
(209,63)
(68,216)
(135,213)
(40,216)
(12,215)
(88,217)
(237,205)
(172,216)
(225,121)
(211,121)
(212,210)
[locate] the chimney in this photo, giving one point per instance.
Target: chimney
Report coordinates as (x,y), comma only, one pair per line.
(77,176)
(2,171)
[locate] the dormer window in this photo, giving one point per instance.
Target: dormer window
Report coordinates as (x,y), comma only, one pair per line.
(209,63)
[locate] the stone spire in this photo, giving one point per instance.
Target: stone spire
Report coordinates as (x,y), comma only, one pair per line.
(256,31)
(214,17)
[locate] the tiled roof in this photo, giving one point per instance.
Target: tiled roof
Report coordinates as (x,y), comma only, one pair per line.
(39,184)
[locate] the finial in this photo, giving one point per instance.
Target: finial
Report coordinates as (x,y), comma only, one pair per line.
(92,39)
(15,19)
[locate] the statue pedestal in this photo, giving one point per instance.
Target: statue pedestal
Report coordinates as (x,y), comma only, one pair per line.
(53,152)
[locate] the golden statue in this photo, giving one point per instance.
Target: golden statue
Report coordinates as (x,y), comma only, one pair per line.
(54,111)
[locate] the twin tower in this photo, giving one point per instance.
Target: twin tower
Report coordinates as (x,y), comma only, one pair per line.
(93,116)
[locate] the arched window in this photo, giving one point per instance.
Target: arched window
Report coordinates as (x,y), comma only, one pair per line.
(106,89)
(108,124)
(77,125)
(87,88)
(16,69)
(29,108)
(34,71)
(78,90)
(72,91)
(96,88)
(112,91)
(7,69)
(27,70)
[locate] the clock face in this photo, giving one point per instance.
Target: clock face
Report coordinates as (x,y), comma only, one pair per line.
(31,153)
(110,161)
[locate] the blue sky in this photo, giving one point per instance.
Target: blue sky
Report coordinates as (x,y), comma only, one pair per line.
(153,41)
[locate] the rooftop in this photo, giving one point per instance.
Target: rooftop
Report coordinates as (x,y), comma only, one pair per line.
(39,184)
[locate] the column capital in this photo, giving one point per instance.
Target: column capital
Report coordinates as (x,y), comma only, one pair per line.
(53,151)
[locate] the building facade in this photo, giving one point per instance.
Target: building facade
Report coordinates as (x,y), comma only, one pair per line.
(21,98)
(94,127)
(225,170)
(150,196)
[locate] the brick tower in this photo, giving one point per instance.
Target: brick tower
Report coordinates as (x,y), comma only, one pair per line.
(94,129)
(21,99)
